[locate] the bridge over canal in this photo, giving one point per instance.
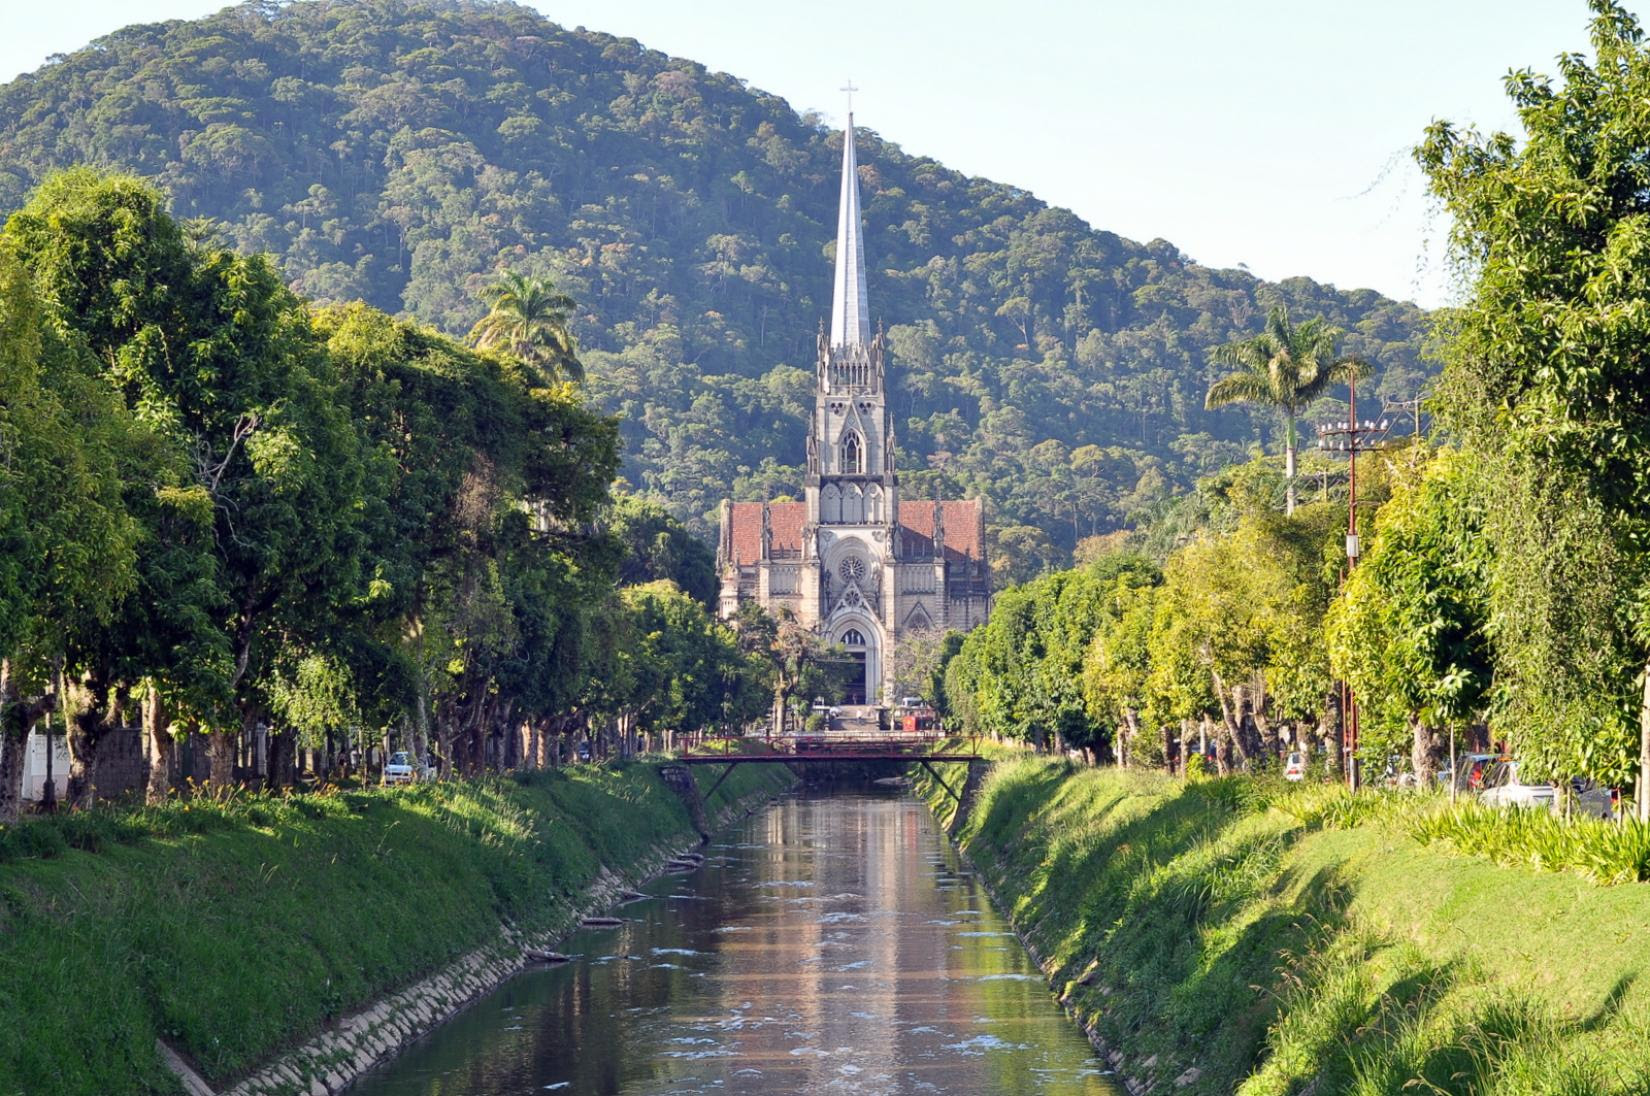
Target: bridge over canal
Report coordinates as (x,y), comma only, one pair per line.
(851,739)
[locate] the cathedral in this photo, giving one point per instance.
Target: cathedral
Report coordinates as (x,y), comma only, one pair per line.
(853,560)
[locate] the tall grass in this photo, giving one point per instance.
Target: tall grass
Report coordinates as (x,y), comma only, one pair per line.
(1291,939)
(1604,851)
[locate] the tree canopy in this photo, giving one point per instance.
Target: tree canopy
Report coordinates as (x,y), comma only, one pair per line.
(404,152)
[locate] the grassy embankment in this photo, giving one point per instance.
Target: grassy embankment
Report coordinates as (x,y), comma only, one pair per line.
(1291,940)
(234,930)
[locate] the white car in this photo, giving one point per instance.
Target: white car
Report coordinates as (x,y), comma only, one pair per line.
(1502,787)
(399,769)
(1294,766)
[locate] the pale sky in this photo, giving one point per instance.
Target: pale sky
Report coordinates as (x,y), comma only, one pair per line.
(1271,133)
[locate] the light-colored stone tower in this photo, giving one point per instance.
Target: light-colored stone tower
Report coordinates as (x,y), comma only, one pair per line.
(850,559)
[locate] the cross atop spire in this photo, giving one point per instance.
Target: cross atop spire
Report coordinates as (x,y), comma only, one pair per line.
(850,89)
(850,311)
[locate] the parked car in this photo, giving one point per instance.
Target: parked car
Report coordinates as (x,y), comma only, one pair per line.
(1294,766)
(399,769)
(1503,787)
(1593,801)
(1472,769)
(911,702)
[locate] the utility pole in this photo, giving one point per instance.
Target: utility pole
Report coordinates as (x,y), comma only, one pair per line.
(1353,438)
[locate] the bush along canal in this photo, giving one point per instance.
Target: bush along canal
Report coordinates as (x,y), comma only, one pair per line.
(828,943)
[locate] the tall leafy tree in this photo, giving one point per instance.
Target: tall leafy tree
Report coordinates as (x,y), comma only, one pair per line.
(528,318)
(1285,367)
(67,539)
(210,350)
(1546,372)
(1410,629)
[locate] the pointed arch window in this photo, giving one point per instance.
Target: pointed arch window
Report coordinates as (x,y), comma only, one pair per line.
(853,637)
(853,454)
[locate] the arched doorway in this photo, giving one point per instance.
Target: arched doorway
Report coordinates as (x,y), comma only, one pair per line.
(858,651)
(858,634)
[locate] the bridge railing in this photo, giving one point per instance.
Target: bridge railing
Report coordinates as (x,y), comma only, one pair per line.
(830,742)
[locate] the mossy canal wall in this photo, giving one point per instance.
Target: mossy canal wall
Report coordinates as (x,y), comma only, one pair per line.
(283,945)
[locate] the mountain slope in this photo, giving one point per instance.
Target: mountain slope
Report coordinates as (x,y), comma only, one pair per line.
(403,150)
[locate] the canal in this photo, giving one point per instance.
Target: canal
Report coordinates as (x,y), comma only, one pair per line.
(830,943)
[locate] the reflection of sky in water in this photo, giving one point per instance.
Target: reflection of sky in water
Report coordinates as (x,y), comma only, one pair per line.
(832,944)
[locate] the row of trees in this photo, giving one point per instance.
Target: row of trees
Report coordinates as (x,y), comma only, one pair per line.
(1505,581)
(257,521)
(1238,639)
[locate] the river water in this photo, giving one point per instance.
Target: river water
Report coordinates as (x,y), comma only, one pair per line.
(831,943)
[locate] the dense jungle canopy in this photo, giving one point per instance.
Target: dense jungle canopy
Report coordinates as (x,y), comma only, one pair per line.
(403,152)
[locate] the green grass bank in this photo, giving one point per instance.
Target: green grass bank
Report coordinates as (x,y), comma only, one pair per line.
(236,930)
(1235,936)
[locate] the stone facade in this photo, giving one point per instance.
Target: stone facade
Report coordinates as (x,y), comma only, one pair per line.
(852,559)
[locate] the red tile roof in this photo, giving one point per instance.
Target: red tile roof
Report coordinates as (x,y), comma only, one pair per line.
(784,522)
(962,528)
(916,518)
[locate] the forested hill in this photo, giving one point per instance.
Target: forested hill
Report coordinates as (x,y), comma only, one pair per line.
(402,151)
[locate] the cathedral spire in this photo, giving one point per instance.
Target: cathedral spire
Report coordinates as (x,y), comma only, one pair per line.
(850,312)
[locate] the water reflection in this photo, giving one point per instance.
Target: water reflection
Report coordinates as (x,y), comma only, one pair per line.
(830,944)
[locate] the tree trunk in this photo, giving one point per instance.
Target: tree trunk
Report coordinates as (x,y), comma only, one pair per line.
(1131,729)
(1644,750)
(1223,749)
(157,728)
(99,710)
(1423,753)
(17,719)
(14,747)
(1289,474)
(221,747)
(421,723)
(281,749)
(1232,715)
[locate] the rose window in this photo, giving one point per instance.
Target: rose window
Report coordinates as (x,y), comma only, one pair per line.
(853,569)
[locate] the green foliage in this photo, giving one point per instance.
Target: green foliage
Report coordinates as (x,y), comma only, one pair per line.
(1285,367)
(655,545)
(403,153)
(527,318)
(682,668)
(1602,850)
(1410,629)
(1544,380)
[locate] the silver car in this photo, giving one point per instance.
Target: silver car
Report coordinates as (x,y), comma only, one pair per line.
(399,769)
(1503,787)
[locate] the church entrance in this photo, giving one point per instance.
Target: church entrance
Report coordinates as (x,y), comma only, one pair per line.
(858,685)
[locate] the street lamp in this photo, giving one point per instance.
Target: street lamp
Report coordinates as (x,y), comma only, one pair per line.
(1352,437)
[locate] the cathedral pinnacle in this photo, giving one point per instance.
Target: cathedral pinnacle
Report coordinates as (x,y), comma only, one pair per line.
(850,312)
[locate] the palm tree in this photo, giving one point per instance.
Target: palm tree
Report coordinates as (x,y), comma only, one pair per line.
(1286,367)
(528,318)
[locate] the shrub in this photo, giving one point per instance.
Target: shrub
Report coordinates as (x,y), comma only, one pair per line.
(1606,852)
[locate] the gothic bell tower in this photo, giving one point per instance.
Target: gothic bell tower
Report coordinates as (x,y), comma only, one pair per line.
(850,539)
(850,481)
